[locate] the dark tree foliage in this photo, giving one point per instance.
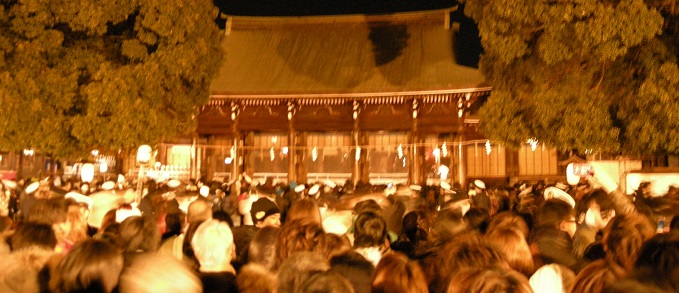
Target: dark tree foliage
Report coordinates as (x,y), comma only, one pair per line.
(77,75)
(581,74)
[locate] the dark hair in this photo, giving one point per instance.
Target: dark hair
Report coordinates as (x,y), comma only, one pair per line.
(139,234)
(624,236)
(355,268)
(327,282)
(396,273)
(597,195)
(48,211)
(295,237)
(91,266)
(33,234)
(478,218)
(489,280)
(552,212)
(466,252)
(262,247)
(370,230)
(174,223)
(298,268)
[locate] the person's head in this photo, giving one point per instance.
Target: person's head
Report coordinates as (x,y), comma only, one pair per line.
(555,213)
(552,278)
(91,266)
(213,246)
(416,225)
(306,209)
(356,269)
(478,218)
(595,209)
(624,237)
(370,230)
(595,277)
(139,234)
(152,272)
(254,278)
(510,220)
(512,243)
(466,252)
(53,212)
(298,268)
(29,234)
(297,237)
(331,245)
(448,224)
(489,280)
(396,273)
(327,282)
(262,247)
(199,210)
(265,213)
(658,262)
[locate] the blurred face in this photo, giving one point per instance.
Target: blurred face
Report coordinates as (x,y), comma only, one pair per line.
(569,226)
(270,221)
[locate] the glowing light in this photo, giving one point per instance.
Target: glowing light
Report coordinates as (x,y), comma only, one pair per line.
(533,143)
(144,154)
(274,139)
(103,167)
(437,154)
(28,152)
(87,172)
(285,150)
(444,149)
(358,153)
(314,154)
(399,150)
(404,162)
(272,154)
(488,147)
(95,153)
(228,160)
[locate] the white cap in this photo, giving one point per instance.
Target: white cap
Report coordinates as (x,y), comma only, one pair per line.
(9,184)
(300,188)
(32,187)
(553,192)
(204,190)
(123,213)
(416,187)
(79,198)
(445,185)
(108,185)
(330,183)
(174,183)
(314,189)
(480,184)
(121,178)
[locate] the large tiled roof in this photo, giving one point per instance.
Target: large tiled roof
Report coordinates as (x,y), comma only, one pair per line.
(335,56)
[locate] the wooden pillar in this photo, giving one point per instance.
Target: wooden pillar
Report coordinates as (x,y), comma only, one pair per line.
(302,153)
(355,140)
(414,155)
(461,157)
(210,158)
(364,162)
(292,150)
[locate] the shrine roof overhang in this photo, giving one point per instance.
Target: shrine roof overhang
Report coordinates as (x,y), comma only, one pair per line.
(331,59)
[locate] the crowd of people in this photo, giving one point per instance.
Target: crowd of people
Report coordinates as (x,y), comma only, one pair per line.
(246,236)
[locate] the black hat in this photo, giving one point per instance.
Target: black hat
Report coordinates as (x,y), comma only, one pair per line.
(263,208)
